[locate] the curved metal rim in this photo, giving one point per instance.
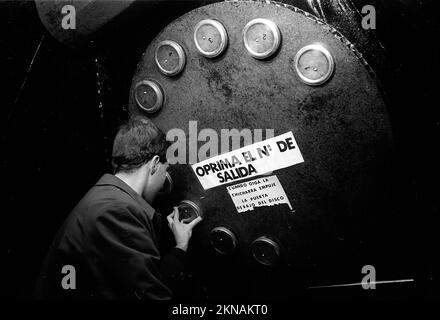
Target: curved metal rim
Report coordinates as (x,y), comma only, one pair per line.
(265,240)
(192,205)
(329,58)
(229,233)
(223,34)
(159,95)
(180,53)
(276,34)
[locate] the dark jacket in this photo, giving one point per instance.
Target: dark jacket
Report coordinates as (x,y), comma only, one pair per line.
(110,239)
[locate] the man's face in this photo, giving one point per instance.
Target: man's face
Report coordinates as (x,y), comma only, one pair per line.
(157,179)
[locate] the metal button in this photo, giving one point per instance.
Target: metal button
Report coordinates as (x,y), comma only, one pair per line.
(265,251)
(148,95)
(223,240)
(189,210)
(314,64)
(170,57)
(261,38)
(210,38)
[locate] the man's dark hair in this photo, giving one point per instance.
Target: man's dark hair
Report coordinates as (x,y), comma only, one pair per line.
(136,143)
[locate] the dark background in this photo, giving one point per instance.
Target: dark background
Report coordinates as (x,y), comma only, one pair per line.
(61,107)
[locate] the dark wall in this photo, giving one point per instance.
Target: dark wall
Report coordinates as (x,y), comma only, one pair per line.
(60,109)
(56,133)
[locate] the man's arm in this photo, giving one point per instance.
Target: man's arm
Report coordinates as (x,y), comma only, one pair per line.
(125,245)
(172,266)
(173,263)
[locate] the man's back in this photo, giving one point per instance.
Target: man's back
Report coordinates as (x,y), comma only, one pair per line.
(110,240)
(110,237)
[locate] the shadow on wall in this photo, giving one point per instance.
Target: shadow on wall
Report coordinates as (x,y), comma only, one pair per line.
(57,136)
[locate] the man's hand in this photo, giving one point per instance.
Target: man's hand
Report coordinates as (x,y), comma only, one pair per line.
(182,231)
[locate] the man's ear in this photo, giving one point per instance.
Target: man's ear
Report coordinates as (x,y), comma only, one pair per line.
(154,163)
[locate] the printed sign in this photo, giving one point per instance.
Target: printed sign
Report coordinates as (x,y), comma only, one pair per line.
(256,159)
(266,191)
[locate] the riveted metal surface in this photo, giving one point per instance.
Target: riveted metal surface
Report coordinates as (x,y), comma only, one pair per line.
(341,128)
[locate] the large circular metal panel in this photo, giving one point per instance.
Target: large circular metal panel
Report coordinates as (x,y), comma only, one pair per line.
(341,128)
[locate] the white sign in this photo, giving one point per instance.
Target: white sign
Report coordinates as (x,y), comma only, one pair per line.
(256,159)
(266,191)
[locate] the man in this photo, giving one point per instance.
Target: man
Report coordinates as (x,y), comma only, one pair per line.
(110,237)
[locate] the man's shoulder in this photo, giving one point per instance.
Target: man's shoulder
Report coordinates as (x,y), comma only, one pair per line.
(104,198)
(107,203)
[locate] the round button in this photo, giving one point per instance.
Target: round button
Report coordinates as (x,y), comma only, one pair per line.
(314,64)
(261,38)
(170,57)
(148,95)
(265,251)
(188,210)
(223,240)
(210,38)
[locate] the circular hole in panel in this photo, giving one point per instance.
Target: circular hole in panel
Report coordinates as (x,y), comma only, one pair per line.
(265,251)
(170,57)
(188,210)
(223,240)
(210,38)
(314,64)
(148,95)
(261,38)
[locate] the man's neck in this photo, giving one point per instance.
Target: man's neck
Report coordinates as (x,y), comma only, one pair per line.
(133,181)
